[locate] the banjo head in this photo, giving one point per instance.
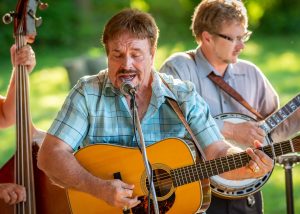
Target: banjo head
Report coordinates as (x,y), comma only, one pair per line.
(232,189)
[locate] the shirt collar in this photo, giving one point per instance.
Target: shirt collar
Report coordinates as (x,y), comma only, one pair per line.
(159,88)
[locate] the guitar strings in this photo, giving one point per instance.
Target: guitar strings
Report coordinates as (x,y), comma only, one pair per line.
(212,169)
(190,173)
(23,154)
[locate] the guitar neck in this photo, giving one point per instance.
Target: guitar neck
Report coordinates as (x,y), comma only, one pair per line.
(206,169)
(279,116)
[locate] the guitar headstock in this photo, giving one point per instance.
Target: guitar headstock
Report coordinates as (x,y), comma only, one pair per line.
(25,20)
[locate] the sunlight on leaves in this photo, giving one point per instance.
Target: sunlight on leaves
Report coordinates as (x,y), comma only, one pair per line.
(139,4)
(275,187)
(7,144)
(51,86)
(251,50)
(49,80)
(95,52)
(287,61)
(2,83)
(165,51)
(255,12)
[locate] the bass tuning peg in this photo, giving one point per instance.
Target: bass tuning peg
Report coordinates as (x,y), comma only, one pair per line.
(8,17)
(42,6)
(38,21)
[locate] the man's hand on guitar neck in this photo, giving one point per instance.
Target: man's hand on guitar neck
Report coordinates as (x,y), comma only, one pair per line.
(258,166)
(243,133)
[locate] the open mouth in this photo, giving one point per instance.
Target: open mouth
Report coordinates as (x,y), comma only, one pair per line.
(127,77)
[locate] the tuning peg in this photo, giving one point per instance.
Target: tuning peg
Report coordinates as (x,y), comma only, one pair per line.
(8,17)
(38,21)
(43,6)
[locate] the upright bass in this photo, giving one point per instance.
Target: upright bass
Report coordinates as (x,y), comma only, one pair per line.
(42,196)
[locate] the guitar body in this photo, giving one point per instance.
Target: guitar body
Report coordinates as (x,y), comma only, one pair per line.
(104,160)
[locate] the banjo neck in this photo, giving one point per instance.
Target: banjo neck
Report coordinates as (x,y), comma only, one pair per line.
(271,122)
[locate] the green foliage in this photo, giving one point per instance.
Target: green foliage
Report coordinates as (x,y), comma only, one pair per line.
(139,4)
(281,16)
(169,16)
(80,23)
(73,28)
(255,12)
(60,21)
(274,191)
(277,57)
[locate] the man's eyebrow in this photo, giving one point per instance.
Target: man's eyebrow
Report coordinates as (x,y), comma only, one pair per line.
(116,49)
(136,49)
(132,49)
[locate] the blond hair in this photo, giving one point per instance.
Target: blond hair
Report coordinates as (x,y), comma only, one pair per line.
(209,15)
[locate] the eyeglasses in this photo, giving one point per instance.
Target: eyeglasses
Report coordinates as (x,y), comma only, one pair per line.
(243,38)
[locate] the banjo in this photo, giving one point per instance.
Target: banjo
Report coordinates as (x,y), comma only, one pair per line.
(233,189)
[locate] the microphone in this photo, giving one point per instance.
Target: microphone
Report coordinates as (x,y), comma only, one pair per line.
(127,88)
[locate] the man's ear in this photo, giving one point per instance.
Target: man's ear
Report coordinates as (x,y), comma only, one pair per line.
(206,37)
(153,52)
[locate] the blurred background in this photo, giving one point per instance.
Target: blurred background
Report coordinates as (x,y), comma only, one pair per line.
(68,46)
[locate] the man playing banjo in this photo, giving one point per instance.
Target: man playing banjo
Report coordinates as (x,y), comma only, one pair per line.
(220,29)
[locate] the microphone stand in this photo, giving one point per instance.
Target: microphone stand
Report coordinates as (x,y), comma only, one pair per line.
(288,161)
(144,153)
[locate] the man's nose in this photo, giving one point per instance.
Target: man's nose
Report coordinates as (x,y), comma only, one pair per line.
(127,62)
(240,44)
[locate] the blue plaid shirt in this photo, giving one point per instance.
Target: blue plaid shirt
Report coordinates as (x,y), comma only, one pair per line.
(96,112)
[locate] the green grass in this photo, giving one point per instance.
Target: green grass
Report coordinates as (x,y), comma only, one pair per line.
(48,89)
(274,191)
(278,58)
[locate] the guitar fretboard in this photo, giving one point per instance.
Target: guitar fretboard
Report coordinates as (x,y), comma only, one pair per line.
(206,169)
(279,116)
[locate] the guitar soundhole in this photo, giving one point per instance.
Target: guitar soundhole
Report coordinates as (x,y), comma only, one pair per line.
(164,192)
(162,182)
(164,206)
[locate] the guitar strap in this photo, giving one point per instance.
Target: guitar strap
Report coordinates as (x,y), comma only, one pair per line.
(219,81)
(173,103)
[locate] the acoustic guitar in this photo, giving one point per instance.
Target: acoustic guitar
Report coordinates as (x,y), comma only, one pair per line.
(181,184)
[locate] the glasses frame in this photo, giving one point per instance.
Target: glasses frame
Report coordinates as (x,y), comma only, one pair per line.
(242,39)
